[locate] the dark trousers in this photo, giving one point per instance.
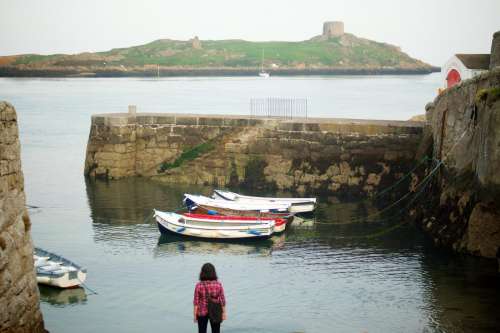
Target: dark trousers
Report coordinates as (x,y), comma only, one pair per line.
(202,325)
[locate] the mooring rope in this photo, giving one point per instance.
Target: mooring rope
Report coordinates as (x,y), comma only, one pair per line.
(424,182)
(379,212)
(408,174)
(387,189)
(389,229)
(87,287)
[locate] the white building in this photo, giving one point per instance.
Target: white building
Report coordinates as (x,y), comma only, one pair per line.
(464,66)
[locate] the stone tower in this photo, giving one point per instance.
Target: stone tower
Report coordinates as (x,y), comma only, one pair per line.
(333,29)
(196,43)
(495,51)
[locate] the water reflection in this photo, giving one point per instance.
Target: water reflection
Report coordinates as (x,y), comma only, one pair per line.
(62,297)
(173,244)
(383,274)
(121,211)
(463,292)
(132,200)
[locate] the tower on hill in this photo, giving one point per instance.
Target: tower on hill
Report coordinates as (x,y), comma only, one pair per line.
(333,29)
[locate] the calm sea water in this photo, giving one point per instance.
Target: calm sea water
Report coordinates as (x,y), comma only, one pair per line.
(330,277)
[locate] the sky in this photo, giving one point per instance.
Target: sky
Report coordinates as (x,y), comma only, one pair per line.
(430,30)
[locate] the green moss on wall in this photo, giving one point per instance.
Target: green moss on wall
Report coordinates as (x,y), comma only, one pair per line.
(188,155)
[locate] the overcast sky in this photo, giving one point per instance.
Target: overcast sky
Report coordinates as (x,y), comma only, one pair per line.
(431,30)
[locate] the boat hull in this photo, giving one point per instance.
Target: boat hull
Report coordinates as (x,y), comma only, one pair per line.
(171,223)
(56,271)
(63,281)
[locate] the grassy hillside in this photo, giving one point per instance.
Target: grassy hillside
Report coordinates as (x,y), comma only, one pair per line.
(344,52)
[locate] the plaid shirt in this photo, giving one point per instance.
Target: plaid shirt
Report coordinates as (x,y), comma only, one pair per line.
(216,292)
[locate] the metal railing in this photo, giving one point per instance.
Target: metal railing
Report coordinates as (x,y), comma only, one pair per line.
(277,107)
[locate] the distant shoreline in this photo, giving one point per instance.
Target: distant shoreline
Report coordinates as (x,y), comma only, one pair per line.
(198,72)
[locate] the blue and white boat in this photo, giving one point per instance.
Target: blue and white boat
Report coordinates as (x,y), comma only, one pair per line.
(223,228)
(54,270)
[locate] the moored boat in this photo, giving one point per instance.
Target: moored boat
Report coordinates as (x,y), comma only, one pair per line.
(210,226)
(297,205)
(57,271)
(206,205)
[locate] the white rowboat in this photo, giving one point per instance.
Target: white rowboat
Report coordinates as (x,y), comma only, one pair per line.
(221,227)
(227,207)
(297,205)
(54,270)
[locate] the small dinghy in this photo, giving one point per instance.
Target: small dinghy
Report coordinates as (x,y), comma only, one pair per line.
(54,270)
(297,205)
(206,205)
(217,227)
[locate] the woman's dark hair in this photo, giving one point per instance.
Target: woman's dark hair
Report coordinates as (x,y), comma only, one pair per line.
(207,272)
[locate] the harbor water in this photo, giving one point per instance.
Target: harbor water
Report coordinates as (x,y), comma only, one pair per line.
(382,276)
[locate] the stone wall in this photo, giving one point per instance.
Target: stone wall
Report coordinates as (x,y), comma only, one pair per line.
(464,123)
(336,156)
(19,297)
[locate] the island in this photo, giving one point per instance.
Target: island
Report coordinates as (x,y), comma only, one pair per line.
(334,52)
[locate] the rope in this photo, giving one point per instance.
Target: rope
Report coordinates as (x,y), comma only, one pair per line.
(148,218)
(368,217)
(424,182)
(87,287)
(391,228)
(387,189)
(455,144)
(423,160)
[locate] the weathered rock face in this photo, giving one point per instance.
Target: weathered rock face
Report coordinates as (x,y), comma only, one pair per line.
(495,51)
(465,126)
(341,157)
(19,298)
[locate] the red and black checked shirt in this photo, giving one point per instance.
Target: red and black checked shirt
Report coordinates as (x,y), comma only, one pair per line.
(215,290)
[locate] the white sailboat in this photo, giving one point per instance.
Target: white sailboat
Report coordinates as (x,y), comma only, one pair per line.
(262,72)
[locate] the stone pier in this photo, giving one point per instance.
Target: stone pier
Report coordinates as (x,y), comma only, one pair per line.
(342,156)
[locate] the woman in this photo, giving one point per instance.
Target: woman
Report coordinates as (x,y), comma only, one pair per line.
(208,283)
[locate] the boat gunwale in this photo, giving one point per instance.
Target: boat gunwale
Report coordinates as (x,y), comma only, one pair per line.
(291,201)
(230,219)
(215,203)
(55,258)
(265,225)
